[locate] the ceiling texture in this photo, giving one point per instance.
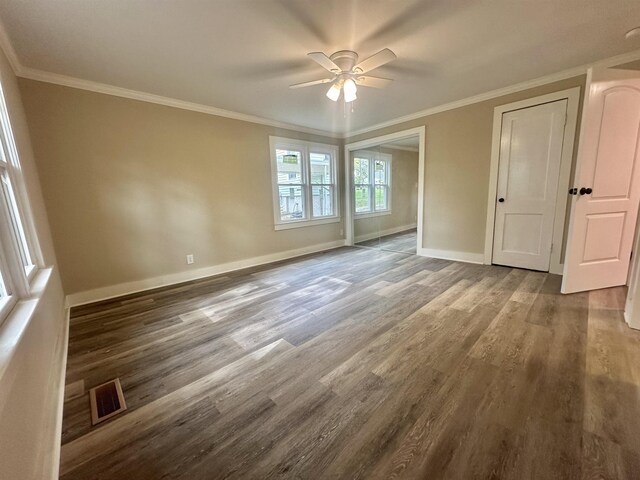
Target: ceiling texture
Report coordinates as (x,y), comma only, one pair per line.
(241,55)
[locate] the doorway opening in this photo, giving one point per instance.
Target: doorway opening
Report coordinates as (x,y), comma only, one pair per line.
(384,179)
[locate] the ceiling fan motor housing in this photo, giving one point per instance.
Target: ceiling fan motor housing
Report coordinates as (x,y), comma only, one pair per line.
(345,59)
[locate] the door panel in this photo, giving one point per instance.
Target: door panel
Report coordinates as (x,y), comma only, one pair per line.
(603,237)
(603,223)
(530,154)
(514,225)
(617,146)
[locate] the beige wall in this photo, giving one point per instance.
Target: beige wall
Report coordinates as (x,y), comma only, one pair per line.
(404,197)
(457,163)
(31,367)
(132,188)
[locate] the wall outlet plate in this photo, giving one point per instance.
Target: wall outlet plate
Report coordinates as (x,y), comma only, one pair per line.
(190,259)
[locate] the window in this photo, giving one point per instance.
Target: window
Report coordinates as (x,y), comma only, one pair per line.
(304,183)
(372,183)
(17,242)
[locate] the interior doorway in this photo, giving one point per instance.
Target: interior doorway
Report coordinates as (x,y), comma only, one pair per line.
(384,178)
(529,181)
(385,195)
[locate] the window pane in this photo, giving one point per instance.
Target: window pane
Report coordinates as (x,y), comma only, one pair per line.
(382,197)
(289,166)
(320,168)
(381,172)
(16,222)
(363,199)
(291,202)
(360,170)
(322,201)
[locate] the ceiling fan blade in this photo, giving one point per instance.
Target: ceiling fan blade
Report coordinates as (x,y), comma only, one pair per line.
(313,82)
(375,61)
(325,61)
(374,82)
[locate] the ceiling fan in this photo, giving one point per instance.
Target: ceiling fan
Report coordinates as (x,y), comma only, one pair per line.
(347,74)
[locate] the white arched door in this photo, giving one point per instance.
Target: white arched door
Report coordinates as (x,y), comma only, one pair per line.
(605,203)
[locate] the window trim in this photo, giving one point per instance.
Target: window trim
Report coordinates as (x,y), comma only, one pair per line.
(10,150)
(372,157)
(305,148)
(18,278)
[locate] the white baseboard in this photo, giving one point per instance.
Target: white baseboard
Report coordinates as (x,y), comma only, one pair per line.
(466,257)
(112,291)
(58,391)
(382,233)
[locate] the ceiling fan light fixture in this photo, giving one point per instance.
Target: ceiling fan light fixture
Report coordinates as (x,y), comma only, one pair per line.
(334,92)
(350,90)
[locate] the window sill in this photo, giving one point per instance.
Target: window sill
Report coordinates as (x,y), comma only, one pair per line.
(306,223)
(15,324)
(374,214)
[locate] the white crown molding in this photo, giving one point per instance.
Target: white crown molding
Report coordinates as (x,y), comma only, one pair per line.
(474,99)
(555,77)
(73,82)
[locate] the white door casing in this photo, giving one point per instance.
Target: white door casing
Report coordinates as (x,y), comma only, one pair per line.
(603,220)
(531,145)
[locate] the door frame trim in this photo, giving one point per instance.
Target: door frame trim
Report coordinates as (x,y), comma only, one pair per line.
(370,142)
(572,95)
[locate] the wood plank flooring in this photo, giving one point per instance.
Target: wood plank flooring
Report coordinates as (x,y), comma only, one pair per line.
(403,242)
(358,363)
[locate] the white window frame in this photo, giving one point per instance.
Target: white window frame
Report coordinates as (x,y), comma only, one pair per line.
(15,276)
(372,157)
(306,148)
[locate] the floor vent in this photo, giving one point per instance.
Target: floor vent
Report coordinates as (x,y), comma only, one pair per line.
(107,400)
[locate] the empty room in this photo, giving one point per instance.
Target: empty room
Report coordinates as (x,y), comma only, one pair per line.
(338,239)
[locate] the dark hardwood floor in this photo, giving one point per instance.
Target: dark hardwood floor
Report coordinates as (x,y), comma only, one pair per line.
(403,242)
(358,363)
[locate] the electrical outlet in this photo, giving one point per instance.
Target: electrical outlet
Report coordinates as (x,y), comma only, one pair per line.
(189,259)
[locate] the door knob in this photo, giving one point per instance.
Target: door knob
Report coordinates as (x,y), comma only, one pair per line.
(501,200)
(585,191)
(573,191)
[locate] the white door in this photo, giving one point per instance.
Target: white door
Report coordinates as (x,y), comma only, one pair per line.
(530,154)
(605,210)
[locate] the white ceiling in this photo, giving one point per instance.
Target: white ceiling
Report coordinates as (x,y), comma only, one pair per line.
(241,55)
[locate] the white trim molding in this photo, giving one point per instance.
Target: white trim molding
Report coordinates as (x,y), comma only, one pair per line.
(572,96)
(306,185)
(121,289)
(466,257)
(54,429)
(500,92)
(66,81)
(43,76)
